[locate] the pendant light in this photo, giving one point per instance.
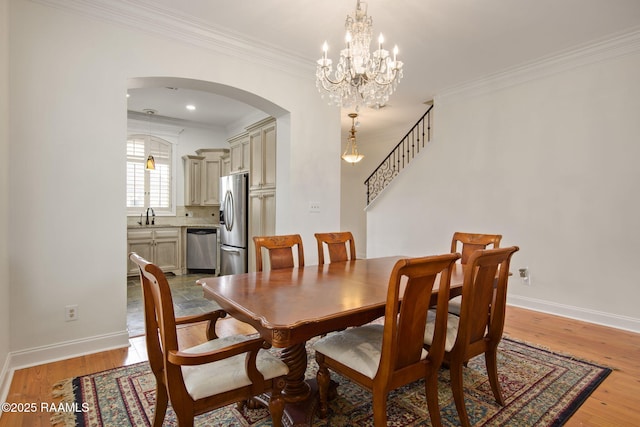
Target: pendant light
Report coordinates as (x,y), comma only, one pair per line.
(351,154)
(151,162)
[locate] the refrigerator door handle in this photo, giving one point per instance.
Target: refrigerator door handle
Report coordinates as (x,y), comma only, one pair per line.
(227,212)
(230,218)
(233,251)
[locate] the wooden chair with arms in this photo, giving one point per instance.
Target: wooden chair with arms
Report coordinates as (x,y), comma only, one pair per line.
(479,327)
(280,249)
(210,375)
(337,244)
(466,244)
(381,358)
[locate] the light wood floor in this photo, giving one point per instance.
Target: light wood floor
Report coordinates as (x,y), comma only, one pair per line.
(615,403)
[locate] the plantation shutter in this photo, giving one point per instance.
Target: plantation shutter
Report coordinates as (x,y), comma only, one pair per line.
(149,188)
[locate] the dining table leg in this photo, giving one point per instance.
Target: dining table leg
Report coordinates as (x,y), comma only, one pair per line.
(296,388)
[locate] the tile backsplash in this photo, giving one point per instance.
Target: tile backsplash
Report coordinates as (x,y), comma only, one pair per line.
(185,215)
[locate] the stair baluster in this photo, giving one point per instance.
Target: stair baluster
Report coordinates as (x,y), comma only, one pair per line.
(405,151)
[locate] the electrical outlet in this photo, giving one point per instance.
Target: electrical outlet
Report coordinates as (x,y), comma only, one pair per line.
(525,276)
(314,207)
(71,312)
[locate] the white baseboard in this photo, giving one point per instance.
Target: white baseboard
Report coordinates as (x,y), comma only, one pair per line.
(52,353)
(67,349)
(6,375)
(592,316)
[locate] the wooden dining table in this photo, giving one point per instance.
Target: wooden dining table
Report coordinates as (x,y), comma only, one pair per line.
(290,306)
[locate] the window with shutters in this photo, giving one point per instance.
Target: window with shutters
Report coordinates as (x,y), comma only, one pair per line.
(149,188)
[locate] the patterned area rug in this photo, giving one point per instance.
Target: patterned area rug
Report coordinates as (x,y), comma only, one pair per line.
(541,388)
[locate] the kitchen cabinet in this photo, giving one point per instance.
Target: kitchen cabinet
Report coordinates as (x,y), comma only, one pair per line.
(239,153)
(262,219)
(262,144)
(211,173)
(226,165)
(202,177)
(192,180)
(160,246)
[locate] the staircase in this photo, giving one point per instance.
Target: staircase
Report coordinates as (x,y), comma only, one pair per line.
(405,151)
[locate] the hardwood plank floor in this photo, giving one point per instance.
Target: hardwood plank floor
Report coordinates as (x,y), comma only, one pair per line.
(614,403)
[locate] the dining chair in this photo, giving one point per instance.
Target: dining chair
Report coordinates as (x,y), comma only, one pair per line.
(479,327)
(466,244)
(207,376)
(340,246)
(383,357)
(280,251)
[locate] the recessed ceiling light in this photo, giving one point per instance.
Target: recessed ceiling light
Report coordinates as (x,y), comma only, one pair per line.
(191,107)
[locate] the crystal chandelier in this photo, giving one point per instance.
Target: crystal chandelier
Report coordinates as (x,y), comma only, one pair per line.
(360,78)
(351,154)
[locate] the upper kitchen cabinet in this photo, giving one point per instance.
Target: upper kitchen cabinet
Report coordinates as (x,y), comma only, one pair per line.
(202,177)
(192,180)
(239,153)
(262,143)
(226,165)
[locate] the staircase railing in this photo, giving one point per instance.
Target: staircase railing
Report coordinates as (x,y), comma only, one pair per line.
(405,151)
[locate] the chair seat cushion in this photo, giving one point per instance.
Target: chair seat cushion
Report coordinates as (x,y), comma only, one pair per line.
(452,329)
(358,348)
(454,305)
(227,374)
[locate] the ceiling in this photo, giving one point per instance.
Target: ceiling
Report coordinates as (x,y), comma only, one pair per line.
(443,43)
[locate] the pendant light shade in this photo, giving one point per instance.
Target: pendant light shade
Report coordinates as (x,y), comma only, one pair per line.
(151,163)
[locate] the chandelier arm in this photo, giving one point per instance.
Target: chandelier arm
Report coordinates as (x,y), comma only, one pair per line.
(326,78)
(385,82)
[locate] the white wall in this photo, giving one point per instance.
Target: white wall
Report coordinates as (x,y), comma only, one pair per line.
(4,196)
(550,162)
(66,211)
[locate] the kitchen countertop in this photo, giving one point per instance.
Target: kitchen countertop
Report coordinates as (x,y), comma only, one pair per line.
(141,227)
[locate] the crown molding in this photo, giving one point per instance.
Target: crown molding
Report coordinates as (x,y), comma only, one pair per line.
(143,15)
(604,49)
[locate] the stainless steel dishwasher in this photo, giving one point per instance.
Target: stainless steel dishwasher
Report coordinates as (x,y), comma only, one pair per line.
(202,245)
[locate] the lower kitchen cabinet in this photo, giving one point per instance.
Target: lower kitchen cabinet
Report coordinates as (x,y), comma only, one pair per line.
(160,246)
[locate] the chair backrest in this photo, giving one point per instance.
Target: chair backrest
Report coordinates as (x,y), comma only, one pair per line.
(484,299)
(159,316)
(337,246)
(280,249)
(471,242)
(404,324)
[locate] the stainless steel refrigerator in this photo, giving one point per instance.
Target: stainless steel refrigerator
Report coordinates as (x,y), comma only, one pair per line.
(234,192)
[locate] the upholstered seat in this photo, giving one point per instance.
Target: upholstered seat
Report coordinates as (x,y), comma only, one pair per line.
(207,376)
(479,327)
(357,348)
(453,321)
(229,373)
(381,358)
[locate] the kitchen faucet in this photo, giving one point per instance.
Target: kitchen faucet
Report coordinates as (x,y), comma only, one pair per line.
(153,216)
